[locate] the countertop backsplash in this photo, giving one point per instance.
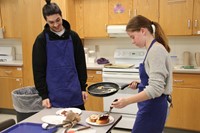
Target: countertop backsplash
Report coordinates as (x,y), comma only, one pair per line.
(105,47)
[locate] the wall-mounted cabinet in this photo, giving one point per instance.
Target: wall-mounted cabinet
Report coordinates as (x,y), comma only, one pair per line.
(95,18)
(119,11)
(147,8)
(180,17)
(79,20)
(10,19)
(67,13)
(196,17)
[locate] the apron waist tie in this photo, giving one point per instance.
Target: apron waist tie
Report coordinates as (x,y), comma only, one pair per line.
(169,99)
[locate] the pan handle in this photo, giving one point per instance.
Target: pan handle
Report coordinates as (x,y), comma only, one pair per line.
(124,86)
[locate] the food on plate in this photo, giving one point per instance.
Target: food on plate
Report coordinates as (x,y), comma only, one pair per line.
(64,112)
(71,119)
(103,119)
(93,117)
(99,118)
(100,87)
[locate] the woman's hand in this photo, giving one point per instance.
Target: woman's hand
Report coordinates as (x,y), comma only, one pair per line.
(46,103)
(133,85)
(120,103)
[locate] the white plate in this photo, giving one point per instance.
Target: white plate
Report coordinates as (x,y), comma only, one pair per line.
(111,120)
(53,119)
(75,110)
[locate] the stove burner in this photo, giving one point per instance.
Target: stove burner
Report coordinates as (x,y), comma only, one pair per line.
(3,60)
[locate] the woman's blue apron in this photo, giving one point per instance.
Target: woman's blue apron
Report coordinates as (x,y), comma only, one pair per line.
(64,88)
(152,113)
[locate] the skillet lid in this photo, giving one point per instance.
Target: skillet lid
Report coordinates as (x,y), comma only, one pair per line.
(103,89)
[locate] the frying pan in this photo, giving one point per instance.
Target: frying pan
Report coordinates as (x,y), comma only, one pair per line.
(103,89)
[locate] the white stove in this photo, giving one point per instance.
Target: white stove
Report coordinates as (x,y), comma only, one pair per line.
(124,76)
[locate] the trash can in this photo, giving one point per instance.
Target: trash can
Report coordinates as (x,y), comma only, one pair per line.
(26,102)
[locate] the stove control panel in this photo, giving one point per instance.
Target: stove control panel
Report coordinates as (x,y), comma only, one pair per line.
(130,53)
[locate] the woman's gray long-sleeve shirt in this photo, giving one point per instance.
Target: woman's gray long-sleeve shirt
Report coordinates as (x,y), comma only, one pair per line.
(158,67)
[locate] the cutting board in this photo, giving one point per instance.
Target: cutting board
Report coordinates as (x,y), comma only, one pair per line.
(122,66)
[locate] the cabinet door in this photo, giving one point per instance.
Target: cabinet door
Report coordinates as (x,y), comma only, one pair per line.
(176,16)
(186,107)
(60,3)
(119,11)
(147,8)
(10,18)
(94,103)
(95,18)
(79,9)
(196,17)
(7,86)
(31,17)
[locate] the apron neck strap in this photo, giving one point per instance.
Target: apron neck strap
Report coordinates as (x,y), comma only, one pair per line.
(154,40)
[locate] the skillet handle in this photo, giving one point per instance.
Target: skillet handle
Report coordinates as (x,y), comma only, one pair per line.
(124,86)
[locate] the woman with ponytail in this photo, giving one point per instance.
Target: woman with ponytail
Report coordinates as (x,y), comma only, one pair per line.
(155,71)
(59,66)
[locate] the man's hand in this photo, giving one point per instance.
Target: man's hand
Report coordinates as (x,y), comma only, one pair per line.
(46,103)
(85,96)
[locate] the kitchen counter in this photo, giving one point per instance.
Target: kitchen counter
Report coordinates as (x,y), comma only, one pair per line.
(12,63)
(95,66)
(177,69)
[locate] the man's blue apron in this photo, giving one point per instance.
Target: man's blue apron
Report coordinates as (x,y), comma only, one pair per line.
(62,78)
(152,113)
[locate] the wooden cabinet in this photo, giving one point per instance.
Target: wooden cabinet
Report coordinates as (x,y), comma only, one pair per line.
(67,13)
(30,15)
(147,8)
(119,11)
(176,16)
(10,18)
(196,17)
(95,18)
(186,102)
(10,79)
(79,9)
(94,103)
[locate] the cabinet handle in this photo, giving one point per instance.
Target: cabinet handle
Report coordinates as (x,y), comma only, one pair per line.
(189,23)
(106,27)
(178,81)
(90,76)
(171,1)
(129,13)
(195,23)
(8,72)
(135,12)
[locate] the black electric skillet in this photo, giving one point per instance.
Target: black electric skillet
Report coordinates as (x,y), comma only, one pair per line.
(103,89)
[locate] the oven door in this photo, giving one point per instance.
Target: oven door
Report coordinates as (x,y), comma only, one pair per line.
(121,78)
